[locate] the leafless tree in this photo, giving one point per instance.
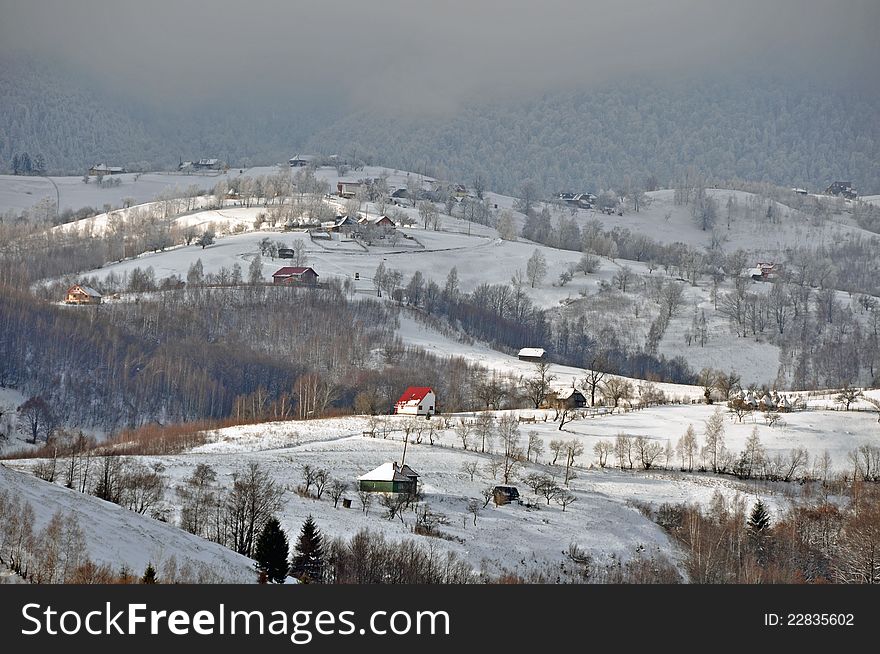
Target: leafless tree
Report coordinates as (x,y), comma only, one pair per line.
(573,449)
(594,378)
(322,478)
(623,449)
(536,268)
(623,278)
(470,468)
(548,489)
(714,447)
(535,446)
(483,427)
(474,508)
(537,386)
(616,389)
(463,430)
(564,498)
(556,446)
(254,498)
(336,490)
(492,468)
(366,499)
(487,493)
(848,395)
(602,450)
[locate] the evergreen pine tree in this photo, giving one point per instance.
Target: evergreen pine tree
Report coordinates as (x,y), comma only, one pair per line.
(271,552)
(759,528)
(149,575)
(308,563)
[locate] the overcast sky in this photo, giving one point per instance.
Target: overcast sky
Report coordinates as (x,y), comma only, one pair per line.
(420,54)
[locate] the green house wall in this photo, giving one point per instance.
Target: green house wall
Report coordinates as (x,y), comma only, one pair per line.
(386,486)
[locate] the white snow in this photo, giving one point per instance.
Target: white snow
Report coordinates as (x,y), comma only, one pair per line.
(119,537)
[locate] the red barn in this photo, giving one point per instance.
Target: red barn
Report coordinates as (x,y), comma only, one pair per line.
(417,401)
(295,275)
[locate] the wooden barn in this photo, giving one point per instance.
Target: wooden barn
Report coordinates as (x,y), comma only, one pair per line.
(79,294)
(505,494)
(534,354)
(390,478)
(416,401)
(298,275)
(566,398)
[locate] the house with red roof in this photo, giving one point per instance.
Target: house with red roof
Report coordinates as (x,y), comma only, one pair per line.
(295,275)
(417,401)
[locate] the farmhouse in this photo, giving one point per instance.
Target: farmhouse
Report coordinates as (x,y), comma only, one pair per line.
(376,221)
(208,164)
(79,294)
(299,161)
(566,398)
(416,401)
(389,478)
(104,169)
(295,275)
(842,188)
(531,354)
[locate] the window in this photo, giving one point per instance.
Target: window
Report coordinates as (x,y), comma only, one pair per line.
(420,407)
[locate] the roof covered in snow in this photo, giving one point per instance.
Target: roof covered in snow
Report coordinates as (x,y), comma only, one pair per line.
(537,352)
(385,472)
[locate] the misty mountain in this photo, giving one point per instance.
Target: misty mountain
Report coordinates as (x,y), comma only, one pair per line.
(75,121)
(785,131)
(781,131)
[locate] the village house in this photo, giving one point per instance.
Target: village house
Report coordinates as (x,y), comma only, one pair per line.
(103,169)
(390,478)
(534,354)
(208,164)
(79,294)
(295,275)
(299,161)
(566,398)
(416,401)
(376,221)
(842,188)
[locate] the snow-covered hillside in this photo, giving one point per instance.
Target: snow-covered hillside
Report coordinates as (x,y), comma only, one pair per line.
(118,537)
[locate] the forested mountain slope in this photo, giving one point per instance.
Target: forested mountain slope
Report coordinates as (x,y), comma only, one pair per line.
(791,132)
(782,131)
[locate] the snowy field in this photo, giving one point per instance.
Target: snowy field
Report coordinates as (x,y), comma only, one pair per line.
(22,192)
(601,520)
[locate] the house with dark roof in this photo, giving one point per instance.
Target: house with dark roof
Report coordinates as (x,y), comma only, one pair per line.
(416,401)
(298,275)
(104,169)
(566,398)
(80,294)
(844,189)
